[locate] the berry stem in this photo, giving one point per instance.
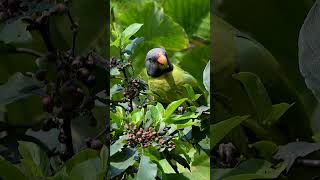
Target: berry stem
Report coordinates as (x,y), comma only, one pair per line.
(74,28)
(67,129)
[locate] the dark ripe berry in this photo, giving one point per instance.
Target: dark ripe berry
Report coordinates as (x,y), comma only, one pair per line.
(181,109)
(41,74)
(161,141)
(47,102)
(96,144)
(139,133)
(76,63)
(62,138)
(71,95)
(60,8)
(83,73)
(114,62)
(62,76)
(91,80)
(89,63)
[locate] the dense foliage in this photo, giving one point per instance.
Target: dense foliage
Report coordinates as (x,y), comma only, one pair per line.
(151,139)
(263,126)
(53,73)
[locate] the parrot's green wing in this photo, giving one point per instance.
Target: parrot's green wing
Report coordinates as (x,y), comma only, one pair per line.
(170,86)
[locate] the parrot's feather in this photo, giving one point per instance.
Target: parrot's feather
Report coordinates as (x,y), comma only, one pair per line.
(169,87)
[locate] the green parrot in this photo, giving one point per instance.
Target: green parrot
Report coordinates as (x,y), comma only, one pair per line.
(166,80)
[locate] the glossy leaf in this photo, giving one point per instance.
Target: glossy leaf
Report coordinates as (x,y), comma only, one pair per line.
(188,13)
(291,151)
(220,130)
(250,169)
(117,146)
(33,154)
(15,32)
(147,169)
(19,86)
(173,106)
(257,93)
(80,157)
(9,171)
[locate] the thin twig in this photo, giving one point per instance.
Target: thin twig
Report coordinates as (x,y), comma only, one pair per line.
(308,162)
(29,51)
(74,28)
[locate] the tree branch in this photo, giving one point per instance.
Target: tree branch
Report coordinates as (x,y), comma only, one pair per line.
(29,51)
(308,162)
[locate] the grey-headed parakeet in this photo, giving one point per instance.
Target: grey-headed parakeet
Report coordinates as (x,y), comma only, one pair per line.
(166,80)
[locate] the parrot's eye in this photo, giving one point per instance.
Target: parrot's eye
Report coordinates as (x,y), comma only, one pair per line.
(149,59)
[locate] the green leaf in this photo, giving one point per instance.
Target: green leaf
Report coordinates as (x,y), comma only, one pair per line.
(137,117)
(206,77)
(203,30)
(15,32)
(117,168)
(291,151)
(147,169)
(126,35)
(117,146)
(250,169)
(257,93)
(166,166)
(172,107)
(221,129)
(89,169)
(316,137)
(30,169)
(309,50)
(200,167)
(158,28)
(265,149)
(18,87)
(130,31)
(189,90)
(155,114)
(9,171)
(114,72)
(104,156)
(188,13)
(33,153)
(160,108)
(80,157)
(129,49)
(276,112)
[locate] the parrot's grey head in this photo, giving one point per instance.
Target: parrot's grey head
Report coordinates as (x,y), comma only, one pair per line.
(157,62)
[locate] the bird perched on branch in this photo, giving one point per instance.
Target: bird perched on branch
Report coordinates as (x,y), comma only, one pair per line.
(166,80)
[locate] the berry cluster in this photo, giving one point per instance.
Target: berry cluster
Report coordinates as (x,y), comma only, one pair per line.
(13,8)
(133,89)
(114,63)
(10,8)
(146,137)
(70,93)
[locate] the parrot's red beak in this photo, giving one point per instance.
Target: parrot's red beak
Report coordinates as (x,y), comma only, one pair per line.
(162,59)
